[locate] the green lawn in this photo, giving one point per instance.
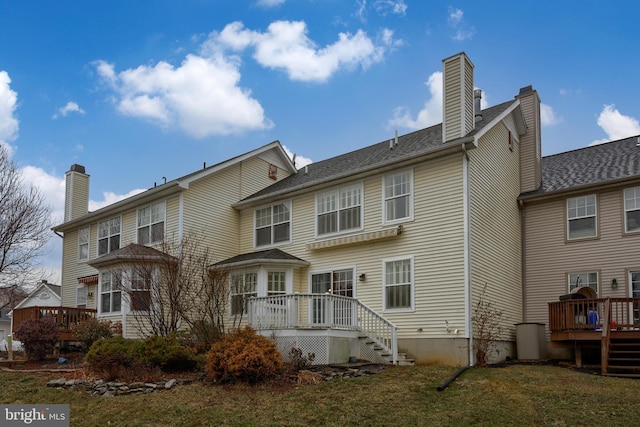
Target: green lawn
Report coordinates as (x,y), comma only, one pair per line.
(515,395)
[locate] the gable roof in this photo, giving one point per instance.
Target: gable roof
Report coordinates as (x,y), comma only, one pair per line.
(604,164)
(278,155)
(49,288)
(269,256)
(374,158)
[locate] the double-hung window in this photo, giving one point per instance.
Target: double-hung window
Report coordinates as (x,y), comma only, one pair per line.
(581,217)
(276,283)
(140,291)
(273,224)
(578,280)
(398,284)
(83,244)
(243,287)
(108,235)
(110,292)
(339,209)
(81,296)
(398,196)
(151,223)
(632,209)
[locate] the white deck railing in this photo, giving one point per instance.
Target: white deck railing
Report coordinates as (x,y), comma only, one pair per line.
(327,311)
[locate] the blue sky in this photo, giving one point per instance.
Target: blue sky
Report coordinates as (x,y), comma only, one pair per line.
(137,91)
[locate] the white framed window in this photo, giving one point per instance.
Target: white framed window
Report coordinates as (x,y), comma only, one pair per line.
(632,209)
(276,283)
(151,223)
(578,280)
(140,292)
(108,235)
(397,193)
(81,296)
(243,287)
(398,284)
(634,291)
(110,292)
(337,282)
(273,224)
(339,209)
(581,217)
(83,244)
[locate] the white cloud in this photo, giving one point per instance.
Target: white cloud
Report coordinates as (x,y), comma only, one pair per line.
(8,103)
(201,96)
(71,107)
(395,7)
(456,21)
(616,125)
(270,3)
(110,197)
(548,116)
(286,46)
(300,161)
(431,112)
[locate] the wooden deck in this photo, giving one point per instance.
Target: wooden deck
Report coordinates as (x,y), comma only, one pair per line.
(612,324)
(66,317)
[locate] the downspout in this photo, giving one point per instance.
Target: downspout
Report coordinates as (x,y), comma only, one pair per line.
(467,250)
(523,259)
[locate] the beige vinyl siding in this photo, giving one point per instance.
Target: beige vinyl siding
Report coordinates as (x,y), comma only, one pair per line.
(550,257)
(452,107)
(72,269)
(172,218)
(530,172)
(254,176)
(76,195)
(495,225)
(434,239)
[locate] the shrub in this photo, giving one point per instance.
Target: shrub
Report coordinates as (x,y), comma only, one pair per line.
(91,330)
(167,353)
(243,355)
(298,360)
(110,357)
(38,337)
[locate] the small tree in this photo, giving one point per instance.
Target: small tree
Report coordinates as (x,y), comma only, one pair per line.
(24,225)
(487,328)
(38,337)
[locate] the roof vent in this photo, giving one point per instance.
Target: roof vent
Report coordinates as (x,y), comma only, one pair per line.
(477,97)
(638,142)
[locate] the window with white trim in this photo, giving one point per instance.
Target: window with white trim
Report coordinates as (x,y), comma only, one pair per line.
(634,282)
(397,192)
(579,280)
(151,223)
(276,283)
(83,244)
(140,291)
(339,209)
(273,224)
(581,217)
(243,287)
(110,292)
(108,235)
(336,282)
(81,296)
(398,284)
(632,209)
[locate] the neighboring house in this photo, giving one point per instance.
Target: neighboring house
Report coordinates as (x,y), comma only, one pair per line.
(395,242)
(582,229)
(44,295)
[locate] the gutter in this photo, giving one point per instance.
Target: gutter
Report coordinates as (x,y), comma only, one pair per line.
(603,185)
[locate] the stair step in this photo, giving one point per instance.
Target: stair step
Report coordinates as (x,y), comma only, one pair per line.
(625,367)
(613,374)
(406,362)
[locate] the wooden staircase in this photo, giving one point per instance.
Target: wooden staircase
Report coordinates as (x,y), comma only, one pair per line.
(623,357)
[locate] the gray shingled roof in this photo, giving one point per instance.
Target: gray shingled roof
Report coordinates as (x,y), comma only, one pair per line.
(409,146)
(596,164)
(131,252)
(269,255)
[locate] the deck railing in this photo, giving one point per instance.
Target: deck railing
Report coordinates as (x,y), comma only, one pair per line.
(66,317)
(299,311)
(589,314)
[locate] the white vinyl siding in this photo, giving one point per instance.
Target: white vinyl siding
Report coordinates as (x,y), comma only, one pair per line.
(339,209)
(581,217)
(151,223)
(579,280)
(398,284)
(108,235)
(398,196)
(273,224)
(632,209)
(83,244)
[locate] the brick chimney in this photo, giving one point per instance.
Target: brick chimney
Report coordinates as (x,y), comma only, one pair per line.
(76,198)
(530,142)
(458,116)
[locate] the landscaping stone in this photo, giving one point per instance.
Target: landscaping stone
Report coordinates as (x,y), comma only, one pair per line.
(100,388)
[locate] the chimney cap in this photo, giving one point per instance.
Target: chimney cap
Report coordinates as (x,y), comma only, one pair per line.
(526,89)
(77,168)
